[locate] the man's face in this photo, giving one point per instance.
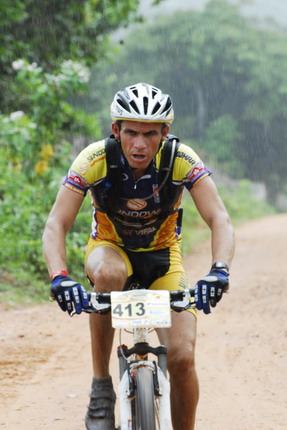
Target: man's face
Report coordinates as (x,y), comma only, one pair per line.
(140,142)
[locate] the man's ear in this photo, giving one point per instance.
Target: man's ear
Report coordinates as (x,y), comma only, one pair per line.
(165,131)
(116,130)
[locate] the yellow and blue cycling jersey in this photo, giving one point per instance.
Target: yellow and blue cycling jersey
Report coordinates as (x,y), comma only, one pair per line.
(137,223)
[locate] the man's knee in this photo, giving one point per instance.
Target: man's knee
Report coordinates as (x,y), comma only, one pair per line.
(107,274)
(106,270)
(181,360)
(108,277)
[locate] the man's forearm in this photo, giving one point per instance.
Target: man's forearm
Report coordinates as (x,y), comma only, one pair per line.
(54,248)
(223,242)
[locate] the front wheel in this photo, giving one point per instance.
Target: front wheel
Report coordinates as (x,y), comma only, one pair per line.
(145,400)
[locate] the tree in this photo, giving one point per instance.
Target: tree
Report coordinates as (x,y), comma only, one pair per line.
(49,32)
(224,72)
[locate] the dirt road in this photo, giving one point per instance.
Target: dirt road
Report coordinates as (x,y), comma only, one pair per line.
(45,367)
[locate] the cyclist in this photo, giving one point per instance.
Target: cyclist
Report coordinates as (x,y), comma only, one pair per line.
(134,236)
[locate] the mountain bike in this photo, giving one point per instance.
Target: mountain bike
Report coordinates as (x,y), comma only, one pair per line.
(144,388)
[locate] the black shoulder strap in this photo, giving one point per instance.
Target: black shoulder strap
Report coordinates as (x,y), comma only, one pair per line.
(166,190)
(113,151)
(112,190)
(168,154)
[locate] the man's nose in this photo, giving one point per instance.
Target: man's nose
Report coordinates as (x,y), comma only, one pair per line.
(140,141)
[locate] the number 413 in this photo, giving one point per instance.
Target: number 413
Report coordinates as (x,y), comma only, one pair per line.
(130,310)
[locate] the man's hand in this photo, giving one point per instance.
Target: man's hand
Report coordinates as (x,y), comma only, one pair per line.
(209,290)
(71,296)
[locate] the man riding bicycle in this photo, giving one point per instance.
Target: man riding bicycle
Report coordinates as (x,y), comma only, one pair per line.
(136,235)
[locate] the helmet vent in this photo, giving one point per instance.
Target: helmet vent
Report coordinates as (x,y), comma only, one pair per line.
(153,93)
(135,91)
(156,108)
(168,105)
(145,104)
(134,106)
(123,104)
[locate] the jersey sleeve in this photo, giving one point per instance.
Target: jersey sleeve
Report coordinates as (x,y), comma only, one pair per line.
(87,169)
(188,167)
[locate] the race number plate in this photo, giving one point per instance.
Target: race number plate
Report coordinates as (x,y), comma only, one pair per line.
(140,308)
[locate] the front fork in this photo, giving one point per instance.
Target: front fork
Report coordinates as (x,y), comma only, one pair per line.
(127,386)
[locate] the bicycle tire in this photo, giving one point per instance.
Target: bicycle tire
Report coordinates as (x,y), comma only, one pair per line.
(145,400)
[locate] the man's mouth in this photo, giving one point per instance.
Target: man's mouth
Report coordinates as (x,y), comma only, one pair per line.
(139,156)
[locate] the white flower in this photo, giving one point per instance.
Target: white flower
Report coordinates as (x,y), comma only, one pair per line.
(18,64)
(84,75)
(79,69)
(32,67)
(16,115)
(68,63)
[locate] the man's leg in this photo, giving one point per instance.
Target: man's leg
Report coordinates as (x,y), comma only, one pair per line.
(180,341)
(107,270)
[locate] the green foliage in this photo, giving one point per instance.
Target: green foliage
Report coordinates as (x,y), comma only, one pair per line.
(24,209)
(241,203)
(48,33)
(33,136)
(34,157)
(221,146)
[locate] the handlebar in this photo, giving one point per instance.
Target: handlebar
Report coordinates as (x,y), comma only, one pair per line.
(180,300)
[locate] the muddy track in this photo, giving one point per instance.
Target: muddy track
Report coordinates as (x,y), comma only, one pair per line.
(45,366)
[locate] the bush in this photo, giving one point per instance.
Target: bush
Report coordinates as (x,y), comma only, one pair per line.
(240,202)
(34,156)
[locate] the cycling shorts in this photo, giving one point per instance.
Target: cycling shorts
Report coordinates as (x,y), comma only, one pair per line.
(158,270)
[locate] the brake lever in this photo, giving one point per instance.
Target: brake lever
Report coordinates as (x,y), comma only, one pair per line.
(96,306)
(182,305)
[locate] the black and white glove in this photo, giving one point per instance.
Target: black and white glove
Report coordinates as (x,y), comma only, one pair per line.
(71,296)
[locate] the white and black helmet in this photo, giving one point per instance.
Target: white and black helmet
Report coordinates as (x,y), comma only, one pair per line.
(142,102)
